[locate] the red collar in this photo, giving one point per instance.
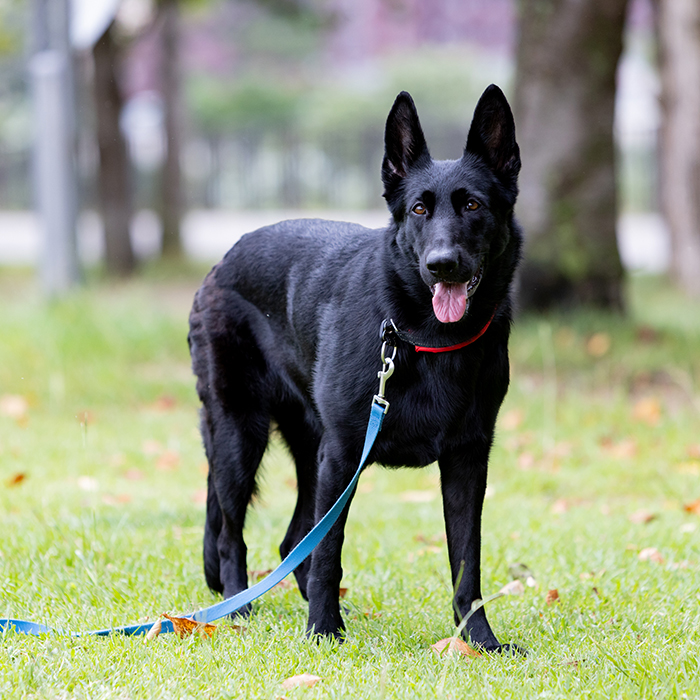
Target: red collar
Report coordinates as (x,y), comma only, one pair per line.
(389,326)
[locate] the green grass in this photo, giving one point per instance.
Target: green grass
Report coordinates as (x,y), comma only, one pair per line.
(106,526)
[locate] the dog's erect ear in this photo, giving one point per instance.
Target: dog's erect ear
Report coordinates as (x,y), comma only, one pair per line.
(492,134)
(404,143)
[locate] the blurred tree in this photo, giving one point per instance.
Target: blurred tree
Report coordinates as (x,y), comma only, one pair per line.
(567,57)
(114,180)
(679,43)
(170,204)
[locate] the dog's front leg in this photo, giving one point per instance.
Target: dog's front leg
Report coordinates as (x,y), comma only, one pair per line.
(326,571)
(463,480)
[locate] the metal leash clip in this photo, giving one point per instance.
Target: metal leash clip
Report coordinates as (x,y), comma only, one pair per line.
(387,369)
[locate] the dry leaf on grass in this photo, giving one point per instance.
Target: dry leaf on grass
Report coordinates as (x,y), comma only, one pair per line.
(598,345)
(642,517)
(622,449)
(514,588)
(16,479)
(560,506)
(164,403)
(647,410)
(450,645)
(692,507)
(694,451)
(184,627)
(306,680)
(512,420)
(200,496)
(167,461)
(552,596)
(651,554)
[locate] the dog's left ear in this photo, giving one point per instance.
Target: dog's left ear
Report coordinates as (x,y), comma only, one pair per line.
(492,135)
(404,143)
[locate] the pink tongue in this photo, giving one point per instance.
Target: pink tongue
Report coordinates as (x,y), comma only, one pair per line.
(450,301)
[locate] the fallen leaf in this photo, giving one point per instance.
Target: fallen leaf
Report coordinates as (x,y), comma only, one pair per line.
(342,591)
(305,680)
(16,479)
(694,451)
(647,334)
(692,507)
(133,474)
(623,449)
(560,506)
(512,420)
(151,447)
(451,645)
(13,406)
(164,403)
(515,587)
(598,345)
(417,496)
(552,596)
(647,410)
(642,517)
(651,554)
(167,461)
(184,626)
(526,461)
(200,496)
(154,631)
(120,499)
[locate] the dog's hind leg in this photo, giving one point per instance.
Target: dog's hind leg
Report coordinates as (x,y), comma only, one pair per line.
(302,438)
(212,524)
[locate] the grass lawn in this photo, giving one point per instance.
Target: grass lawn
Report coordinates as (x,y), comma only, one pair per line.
(594,485)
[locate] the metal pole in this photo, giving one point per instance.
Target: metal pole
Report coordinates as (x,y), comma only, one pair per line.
(55,187)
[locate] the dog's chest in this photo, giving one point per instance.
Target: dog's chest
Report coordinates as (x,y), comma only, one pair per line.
(431,409)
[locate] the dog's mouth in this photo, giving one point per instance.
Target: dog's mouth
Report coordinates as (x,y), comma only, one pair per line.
(451,300)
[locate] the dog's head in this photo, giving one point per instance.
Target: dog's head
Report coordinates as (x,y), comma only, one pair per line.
(452,217)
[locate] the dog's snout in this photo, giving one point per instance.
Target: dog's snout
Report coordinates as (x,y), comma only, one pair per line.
(442,263)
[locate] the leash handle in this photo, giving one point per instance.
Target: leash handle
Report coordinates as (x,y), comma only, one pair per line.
(303,549)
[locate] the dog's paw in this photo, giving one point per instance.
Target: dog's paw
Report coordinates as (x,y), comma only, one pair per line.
(318,634)
(505,650)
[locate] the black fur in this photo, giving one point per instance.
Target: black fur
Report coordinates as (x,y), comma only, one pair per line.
(285,328)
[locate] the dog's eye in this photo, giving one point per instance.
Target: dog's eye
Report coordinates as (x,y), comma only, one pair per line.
(419,209)
(472,205)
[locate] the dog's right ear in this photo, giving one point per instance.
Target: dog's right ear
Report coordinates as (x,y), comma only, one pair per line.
(404,143)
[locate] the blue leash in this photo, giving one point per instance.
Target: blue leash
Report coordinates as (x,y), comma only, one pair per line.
(291,561)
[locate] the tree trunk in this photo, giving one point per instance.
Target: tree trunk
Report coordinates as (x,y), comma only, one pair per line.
(114,181)
(170,205)
(567,58)
(679,40)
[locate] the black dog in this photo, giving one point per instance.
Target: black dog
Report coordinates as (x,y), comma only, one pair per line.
(285,328)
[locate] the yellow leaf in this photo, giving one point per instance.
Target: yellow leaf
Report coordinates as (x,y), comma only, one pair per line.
(306,680)
(598,345)
(451,645)
(184,626)
(647,410)
(692,507)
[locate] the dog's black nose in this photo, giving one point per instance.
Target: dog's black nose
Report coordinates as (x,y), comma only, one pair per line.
(442,263)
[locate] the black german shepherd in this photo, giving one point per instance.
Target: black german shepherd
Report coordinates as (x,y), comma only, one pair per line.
(286,329)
